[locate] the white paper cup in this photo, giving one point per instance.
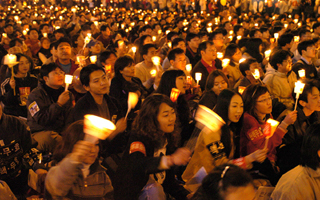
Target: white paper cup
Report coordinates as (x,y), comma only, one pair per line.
(209,118)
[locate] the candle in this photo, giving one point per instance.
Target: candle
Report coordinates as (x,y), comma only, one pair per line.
(298,89)
(295,20)
(296,38)
(256,74)
(120,44)
(4,35)
(97,128)
(241,89)
(89,35)
(239,37)
(159,32)
(189,80)
(68,80)
(242,60)
(73,10)
(267,53)
(167,32)
(231,32)
(256,24)
(189,68)
(133,99)
(45,35)
(169,45)
(174,94)
(154,38)
(96,23)
(276,35)
(229,18)
(86,40)
(225,62)
(153,73)
(230,37)
(210,24)
(134,49)
(57,27)
(156,60)
(10,59)
(209,29)
(198,76)
(302,73)
(219,55)
(93,59)
(108,68)
(269,129)
(203,114)
(299,24)
(271,40)
(285,25)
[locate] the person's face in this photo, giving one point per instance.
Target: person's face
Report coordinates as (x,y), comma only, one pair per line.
(55,78)
(96,49)
(218,40)
(91,158)
(64,51)
(98,84)
(264,104)
(194,43)
(181,84)
(128,71)
(219,84)
(9,30)
(182,45)
(235,108)
(45,29)
(111,60)
(148,40)
(310,52)
(24,65)
(266,35)
(210,53)
(240,193)
(258,34)
(228,27)
(237,56)
(240,32)
(106,33)
(58,35)
(147,32)
(46,44)
(253,67)
(285,66)
(180,62)
(151,52)
(80,41)
(33,35)
(18,44)
(313,103)
(166,118)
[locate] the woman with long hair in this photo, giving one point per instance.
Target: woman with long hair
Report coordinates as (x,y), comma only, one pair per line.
(216,82)
(77,174)
(219,147)
(15,91)
(146,171)
(258,108)
(234,54)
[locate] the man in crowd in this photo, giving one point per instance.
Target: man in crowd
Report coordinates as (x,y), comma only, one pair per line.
(64,56)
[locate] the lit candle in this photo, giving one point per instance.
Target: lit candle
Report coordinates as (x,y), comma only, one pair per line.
(108,68)
(68,80)
(271,40)
(219,55)
(189,80)
(209,29)
(267,53)
(167,32)
(96,23)
(298,89)
(153,73)
(156,60)
(231,32)
(203,114)
(210,24)
(302,73)
(93,59)
(256,24)
(133,99)
(174,94)
(189,68)
(10,59)
(89,35)
(154,38)
(256,74)
(4,35)
(45,35)
(96,128)
(276,35)
(296,38)
(73,10)
(241,89)
(169,45)
(159,32)
(285,25)
(198,76)
(299,24)
(295,20)
(225,62)
(229,18)
(120,43)
(230,37)
(269,129)
(134,49)
(239,37)
(242,60)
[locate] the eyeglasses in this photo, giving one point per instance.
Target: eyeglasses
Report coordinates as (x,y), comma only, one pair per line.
(265,100)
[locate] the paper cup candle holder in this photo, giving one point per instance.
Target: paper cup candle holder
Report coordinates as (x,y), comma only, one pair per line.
(174,94)
(68,80)
(198,77)
(133,99)
(298,89)
(11,60)
(96,128)
(269,129)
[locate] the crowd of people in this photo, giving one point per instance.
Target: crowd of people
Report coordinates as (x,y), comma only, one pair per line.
(244,67)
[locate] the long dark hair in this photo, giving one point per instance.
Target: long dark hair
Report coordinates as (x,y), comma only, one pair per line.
(212,76)
(222,109)
(146,123)
(230,51)
(250,96)
(252,48)
(16,67)
(216,184)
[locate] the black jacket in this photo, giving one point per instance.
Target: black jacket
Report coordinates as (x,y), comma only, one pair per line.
(310,70)
(209,99)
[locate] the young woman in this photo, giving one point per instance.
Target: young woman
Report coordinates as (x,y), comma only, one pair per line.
(219,147)
(216,82)
(177,79)
(258,108)
(124,82)
(146,169)
(234,54)
(44,52)
(78,174)
(23,83)
(226,182)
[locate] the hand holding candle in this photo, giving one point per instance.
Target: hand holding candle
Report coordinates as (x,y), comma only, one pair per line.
(96,128)
(298,89)
(68,80)
(133,99)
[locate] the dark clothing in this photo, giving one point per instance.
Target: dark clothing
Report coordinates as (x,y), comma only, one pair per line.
(45,52)
(194,57)
(209,99)
(311,71)
(73,68)
(199,67)
(243,82)
(15,143)
(44,112)
(289,151)
(104,41)
(16,104)
(136,167)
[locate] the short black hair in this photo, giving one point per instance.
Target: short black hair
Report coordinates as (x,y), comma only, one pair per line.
(253,32)
(176,41)
(43,25)
(121,63)
(309,84)
(310,147)
(172,54)
(304,45)
(236,28)
(86,71)
(278,57)
(61,40)
(104,27)
(13,42)
(204,45)
(190,36)
(146,47)
(245,65)
(47,68)
(285,39)
(145,27)
(105,55)
(171,35)
(32,29)
(303,32)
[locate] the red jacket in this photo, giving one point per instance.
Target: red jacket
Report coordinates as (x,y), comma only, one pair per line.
(252,137)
